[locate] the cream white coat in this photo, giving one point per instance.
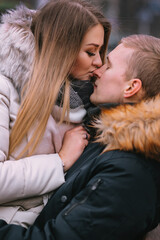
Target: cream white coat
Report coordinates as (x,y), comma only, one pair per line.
(26,183)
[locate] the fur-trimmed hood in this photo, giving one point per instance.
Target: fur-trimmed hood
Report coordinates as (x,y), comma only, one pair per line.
(16,45)
(132,128)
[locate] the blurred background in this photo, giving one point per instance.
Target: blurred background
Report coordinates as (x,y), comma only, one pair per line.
(127,17)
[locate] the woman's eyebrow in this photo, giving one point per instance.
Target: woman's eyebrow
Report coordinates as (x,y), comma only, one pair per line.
(94,44)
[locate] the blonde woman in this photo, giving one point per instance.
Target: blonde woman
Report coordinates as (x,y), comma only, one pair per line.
(63,43)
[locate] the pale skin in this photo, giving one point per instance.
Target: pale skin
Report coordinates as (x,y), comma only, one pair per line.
(111,85)
(89,59)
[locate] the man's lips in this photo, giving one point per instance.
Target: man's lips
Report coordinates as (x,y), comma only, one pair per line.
(94,85)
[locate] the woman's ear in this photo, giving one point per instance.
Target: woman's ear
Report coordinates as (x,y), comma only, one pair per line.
(133,86)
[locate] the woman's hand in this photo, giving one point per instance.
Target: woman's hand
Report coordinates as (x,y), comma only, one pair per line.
(74,143)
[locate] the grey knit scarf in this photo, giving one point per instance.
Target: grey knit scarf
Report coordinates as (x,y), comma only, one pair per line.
(80,92)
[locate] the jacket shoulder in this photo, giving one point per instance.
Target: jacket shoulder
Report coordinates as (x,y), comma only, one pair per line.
(129,161)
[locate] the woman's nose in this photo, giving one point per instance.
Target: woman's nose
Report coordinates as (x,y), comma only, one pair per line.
(97,61)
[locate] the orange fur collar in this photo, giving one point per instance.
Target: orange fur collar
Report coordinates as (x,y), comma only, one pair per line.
(131,128)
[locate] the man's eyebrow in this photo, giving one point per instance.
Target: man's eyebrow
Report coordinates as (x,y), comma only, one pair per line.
(108,59)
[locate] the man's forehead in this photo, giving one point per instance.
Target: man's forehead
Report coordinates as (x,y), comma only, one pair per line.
(119,53)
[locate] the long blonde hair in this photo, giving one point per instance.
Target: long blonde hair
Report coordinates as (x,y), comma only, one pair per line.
(59,28)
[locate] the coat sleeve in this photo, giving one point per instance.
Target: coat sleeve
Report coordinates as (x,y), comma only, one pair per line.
(4,118)
(117,203)
(29,176)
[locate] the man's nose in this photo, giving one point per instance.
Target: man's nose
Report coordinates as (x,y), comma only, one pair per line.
(98,72)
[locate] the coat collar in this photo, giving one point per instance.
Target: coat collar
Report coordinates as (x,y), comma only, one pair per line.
(131,128)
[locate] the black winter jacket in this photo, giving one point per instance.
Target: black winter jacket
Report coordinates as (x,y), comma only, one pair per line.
(113,196)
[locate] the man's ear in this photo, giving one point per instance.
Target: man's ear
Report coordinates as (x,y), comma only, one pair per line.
(133,86)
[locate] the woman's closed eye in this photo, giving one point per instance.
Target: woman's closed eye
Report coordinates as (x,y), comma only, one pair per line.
(90,53)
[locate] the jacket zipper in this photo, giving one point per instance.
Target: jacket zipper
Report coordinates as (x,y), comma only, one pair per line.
(93,188)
